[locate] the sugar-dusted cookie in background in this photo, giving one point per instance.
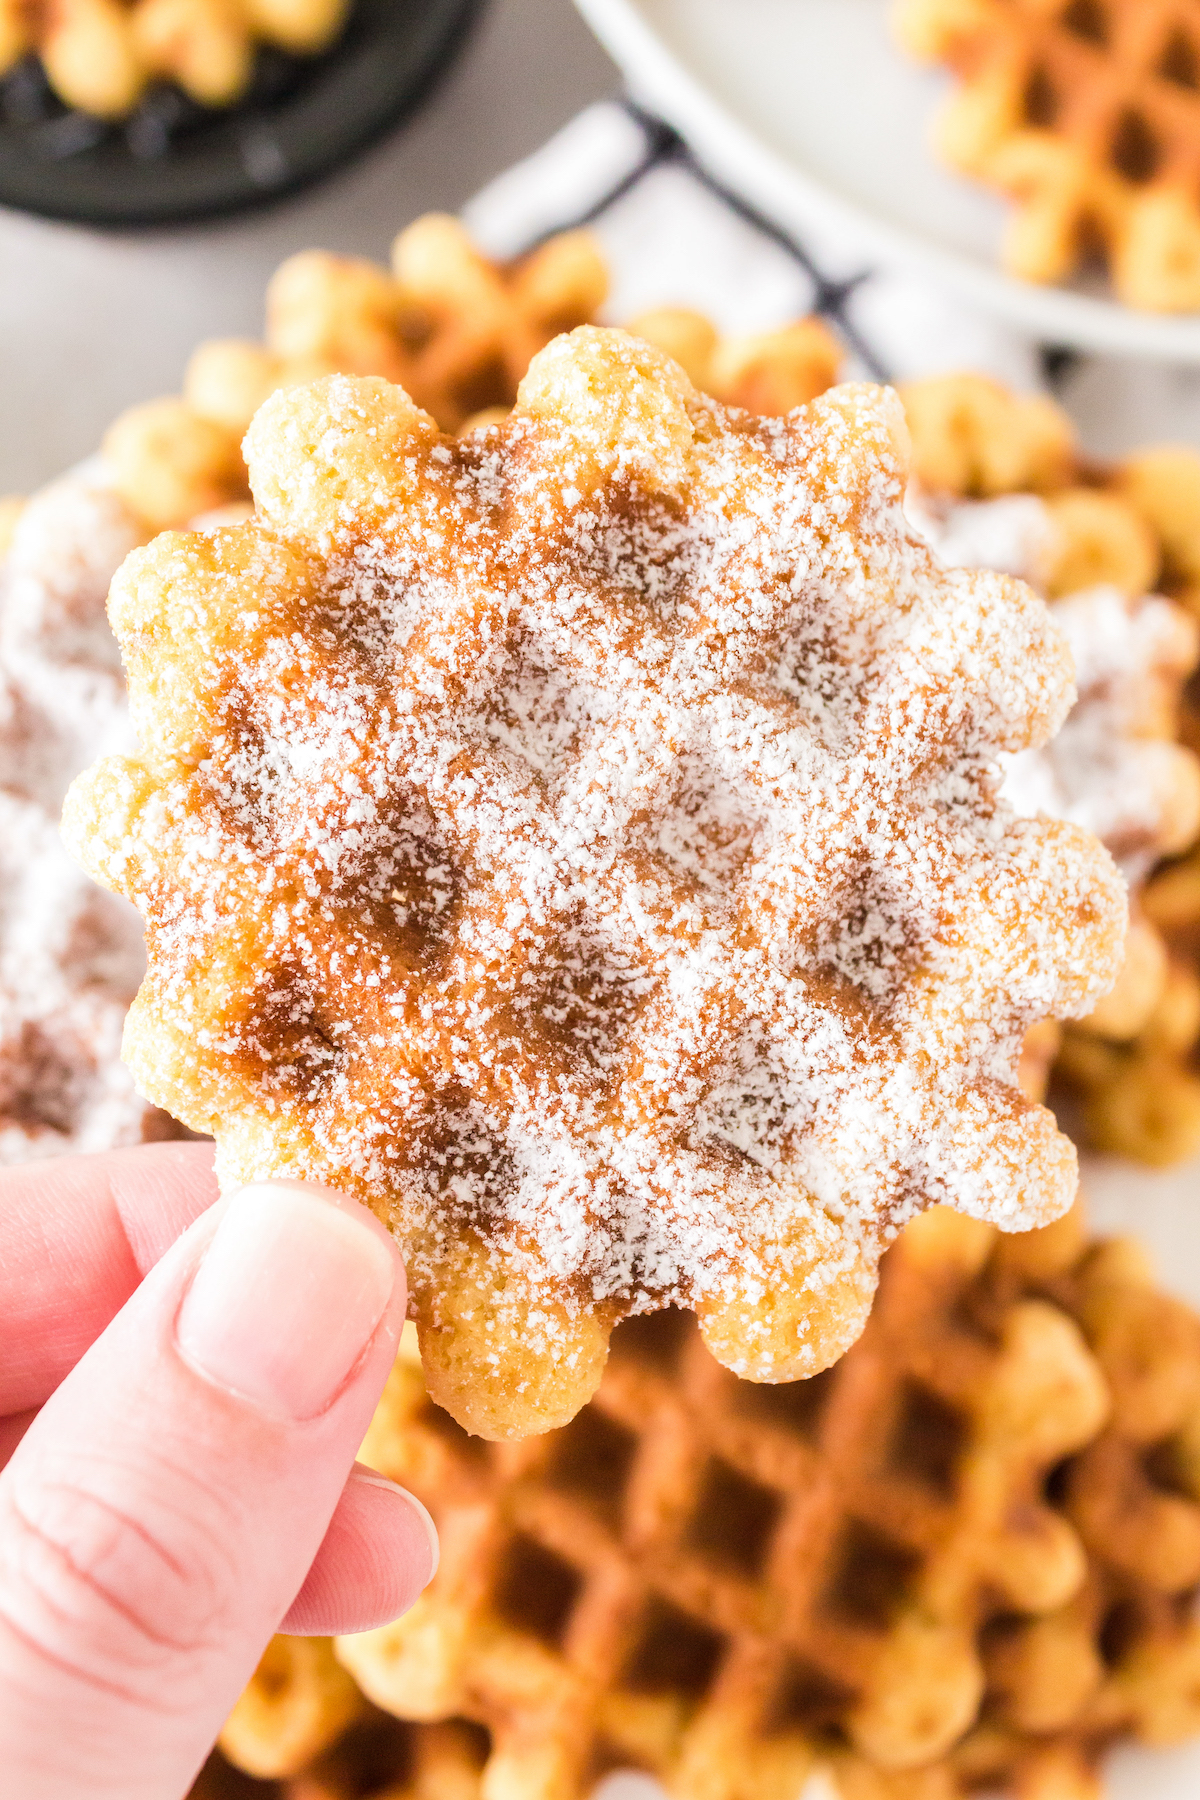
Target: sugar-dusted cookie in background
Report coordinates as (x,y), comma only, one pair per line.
(1000,482)
(580,840)
(70,955)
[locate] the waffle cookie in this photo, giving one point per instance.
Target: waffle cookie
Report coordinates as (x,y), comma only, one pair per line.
(1140,1086)
(179,461)
(1117,1657)
(101,55)
(617,904)
(297,1705)
(1121,1658)
(967,1555)
(302,1731)
(1087,115)
(1126,762)
(455,330)
(70,955)
(767,372)
(699,1572)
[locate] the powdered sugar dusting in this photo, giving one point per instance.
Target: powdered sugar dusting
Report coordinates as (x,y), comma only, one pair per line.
(1108,769)
(71,955)
(585,836)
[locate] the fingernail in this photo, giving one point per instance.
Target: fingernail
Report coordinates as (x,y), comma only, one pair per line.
(286,1299)
(370,1479)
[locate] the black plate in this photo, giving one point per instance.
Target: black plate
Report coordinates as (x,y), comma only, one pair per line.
(173,160)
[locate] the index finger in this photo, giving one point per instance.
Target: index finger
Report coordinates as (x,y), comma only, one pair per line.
(77,1234)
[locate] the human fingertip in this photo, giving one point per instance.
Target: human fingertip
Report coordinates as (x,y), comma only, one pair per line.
(369,1478)
(287,1297)
(379,1553)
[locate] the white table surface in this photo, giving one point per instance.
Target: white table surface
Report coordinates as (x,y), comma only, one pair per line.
(91,321)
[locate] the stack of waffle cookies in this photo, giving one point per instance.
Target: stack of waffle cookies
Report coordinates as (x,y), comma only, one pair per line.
(457,331)
(963,1560)
(1108,545)
(965,1556)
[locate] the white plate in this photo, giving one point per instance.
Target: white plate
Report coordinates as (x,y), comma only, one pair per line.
(809,110)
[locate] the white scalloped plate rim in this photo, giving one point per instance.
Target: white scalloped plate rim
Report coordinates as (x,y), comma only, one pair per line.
(656,65)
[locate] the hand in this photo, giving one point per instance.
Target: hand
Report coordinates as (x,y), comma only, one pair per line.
(183,1384)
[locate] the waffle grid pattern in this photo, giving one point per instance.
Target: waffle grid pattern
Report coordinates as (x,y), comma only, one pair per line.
(680,1488)
(550,709)
(1088,114)
(697,1572)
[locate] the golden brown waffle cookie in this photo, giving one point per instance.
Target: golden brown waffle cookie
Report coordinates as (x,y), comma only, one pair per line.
(454,329)
(702,1573)
(680,1483)
(727,1585)
(1087,114)
(617,904)
(101,55)
(1123,1656)
(377,1756)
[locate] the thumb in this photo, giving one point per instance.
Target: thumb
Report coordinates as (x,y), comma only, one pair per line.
(164,1508)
